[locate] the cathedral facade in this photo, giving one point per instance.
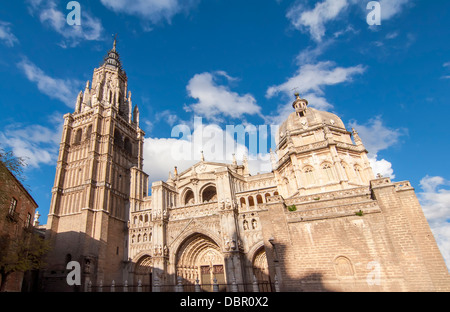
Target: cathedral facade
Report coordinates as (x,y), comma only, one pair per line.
(319,221)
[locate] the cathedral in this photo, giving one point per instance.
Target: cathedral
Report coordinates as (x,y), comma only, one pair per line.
(319,221)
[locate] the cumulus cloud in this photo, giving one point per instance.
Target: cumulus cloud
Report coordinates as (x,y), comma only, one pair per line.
(90,29)
(215,100)
(152,10)
(377,137)
(314,20)
(64,90)
(314,77)
(35,143)
(310,80)
(435,202)
(184,149)
(6,35)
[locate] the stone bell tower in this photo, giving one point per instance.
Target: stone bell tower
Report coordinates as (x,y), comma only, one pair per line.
(101,142)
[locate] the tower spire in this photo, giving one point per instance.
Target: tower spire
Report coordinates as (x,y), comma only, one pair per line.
(115,42)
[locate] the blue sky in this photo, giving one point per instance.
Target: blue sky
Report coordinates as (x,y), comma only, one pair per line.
(238,62)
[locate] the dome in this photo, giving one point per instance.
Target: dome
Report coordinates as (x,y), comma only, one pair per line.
(309,118)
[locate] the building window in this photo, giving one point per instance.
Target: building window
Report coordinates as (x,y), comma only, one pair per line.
(328,172)
(28,222)
(12,206)
(209,194)
(359,174)
(78,136)
(309,173)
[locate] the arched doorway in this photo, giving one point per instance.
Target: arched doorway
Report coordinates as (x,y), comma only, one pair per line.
(261,269)
(143,271)
(199,257)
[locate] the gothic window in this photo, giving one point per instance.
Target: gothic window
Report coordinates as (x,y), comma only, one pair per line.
(127,145)
(209,194)
(309,174)
(118,141)
(359,174)
(328,170)
(78,136)
(89,132)
(347,171)
(189,198)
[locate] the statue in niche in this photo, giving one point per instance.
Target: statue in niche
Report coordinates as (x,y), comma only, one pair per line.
(245,225)
(254,224)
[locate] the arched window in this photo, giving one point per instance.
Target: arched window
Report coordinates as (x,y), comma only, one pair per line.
(259,199)
(118,141)
(251,202)
(328,170)
(78,136)
(267,195)
(128,146)
(242,201)
(359,174)
(343,267)
(309,174)
(189,198)
(89,132)
(347,170)
(209,194)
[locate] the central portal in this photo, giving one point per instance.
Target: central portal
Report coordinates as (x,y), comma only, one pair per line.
(199,258)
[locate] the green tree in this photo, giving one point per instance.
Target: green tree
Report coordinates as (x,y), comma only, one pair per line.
(20,254)
(24,251)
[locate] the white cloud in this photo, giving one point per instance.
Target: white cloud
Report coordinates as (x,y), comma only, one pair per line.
(377,137)
(184,148)
(153,10)
(64,90)
(90,29)
(36,143)
(314,20)
(435,202)
(314,77)
(390,8)
(6,35)
(216,100)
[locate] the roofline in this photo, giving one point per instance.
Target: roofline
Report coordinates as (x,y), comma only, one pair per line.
(20,185)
